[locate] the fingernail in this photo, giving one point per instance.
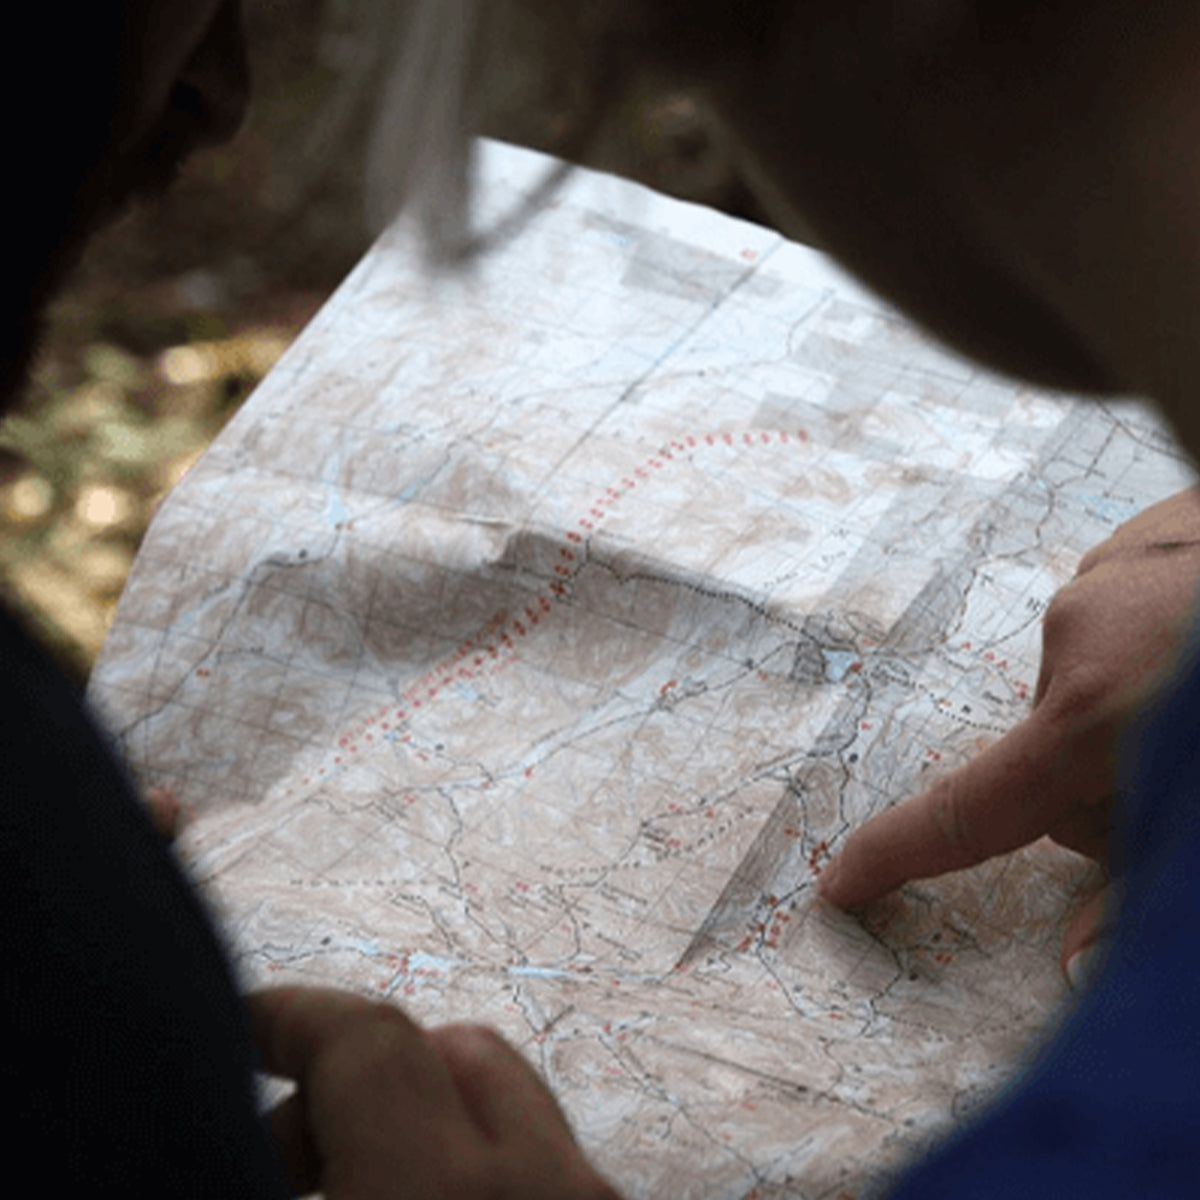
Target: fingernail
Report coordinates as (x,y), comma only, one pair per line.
(827,880)
(1081,966)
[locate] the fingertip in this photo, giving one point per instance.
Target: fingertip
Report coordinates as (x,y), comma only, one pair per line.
(291,1023)
(844,900)
(1085,934)
(166,812)
(829,884)
(1081,966)
(846,884)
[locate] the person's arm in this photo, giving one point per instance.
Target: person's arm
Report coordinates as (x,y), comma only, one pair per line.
(1110,636)
(127,1045)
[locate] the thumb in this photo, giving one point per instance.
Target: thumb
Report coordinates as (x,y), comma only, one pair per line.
(1081,946)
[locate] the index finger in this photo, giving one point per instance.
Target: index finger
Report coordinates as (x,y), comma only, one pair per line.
(365,1043)
(1014,792)
(292,1024)
(378,1103)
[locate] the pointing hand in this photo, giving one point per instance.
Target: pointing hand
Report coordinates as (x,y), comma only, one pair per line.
(1109,638)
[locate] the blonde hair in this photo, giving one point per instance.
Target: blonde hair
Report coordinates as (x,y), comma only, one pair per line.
(419,153)
(453,67)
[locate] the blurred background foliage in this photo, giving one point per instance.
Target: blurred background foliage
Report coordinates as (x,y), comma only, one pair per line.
(178,311)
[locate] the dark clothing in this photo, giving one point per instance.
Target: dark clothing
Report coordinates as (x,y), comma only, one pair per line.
(1112,1108)
(127,1050)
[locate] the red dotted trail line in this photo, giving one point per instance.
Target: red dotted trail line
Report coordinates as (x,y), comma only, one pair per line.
(766,933)
(495,646)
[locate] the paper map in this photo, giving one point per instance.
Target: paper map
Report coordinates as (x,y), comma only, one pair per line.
(528,642)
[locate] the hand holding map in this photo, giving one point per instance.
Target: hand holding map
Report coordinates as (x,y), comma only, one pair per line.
(385,1107)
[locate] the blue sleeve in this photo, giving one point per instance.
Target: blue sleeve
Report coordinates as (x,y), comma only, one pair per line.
(1112,1107)
(127,1054)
